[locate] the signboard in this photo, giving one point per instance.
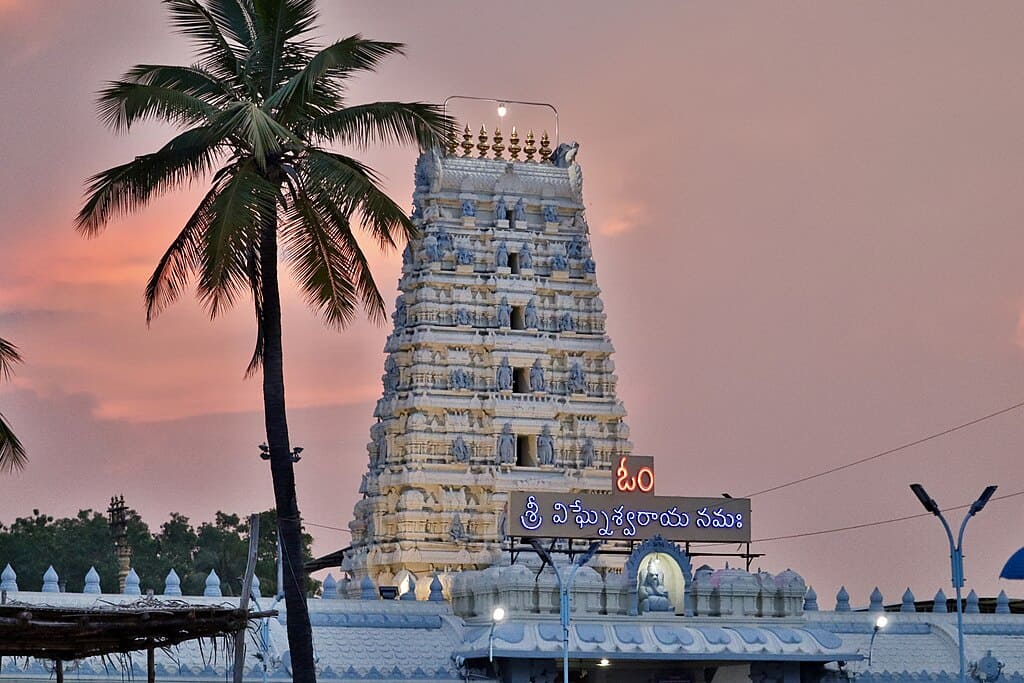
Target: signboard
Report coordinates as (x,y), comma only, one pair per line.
(635,474)
(628,516)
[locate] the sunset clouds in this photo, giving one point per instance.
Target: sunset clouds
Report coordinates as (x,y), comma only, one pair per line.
(807,226)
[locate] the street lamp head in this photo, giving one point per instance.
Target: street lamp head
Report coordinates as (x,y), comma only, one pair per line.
(927,501)
(604,662)
(502,110)
(881,622)
(983,499)
(498,614)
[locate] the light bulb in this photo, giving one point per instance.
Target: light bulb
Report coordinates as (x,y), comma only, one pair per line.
(498,614)
(502,110)
(882,621)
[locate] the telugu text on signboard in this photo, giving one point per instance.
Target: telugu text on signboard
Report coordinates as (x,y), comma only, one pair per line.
(628,517)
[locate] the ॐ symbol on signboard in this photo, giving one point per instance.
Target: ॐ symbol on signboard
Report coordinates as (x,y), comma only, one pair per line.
(643,480)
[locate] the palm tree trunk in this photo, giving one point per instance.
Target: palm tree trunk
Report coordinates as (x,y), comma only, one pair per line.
(289,525)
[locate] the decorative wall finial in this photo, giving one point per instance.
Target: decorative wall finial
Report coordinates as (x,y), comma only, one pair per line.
(8,580)
(531,147)
(467,141)
(907,605)
(939,605)
(842,600)
(367,591)
(410,593)
(972,606)
(255,589)
(513,145)
(436,590)
(132,583)
(545,148)
(810,600)
(498,148)
(212,589)
(172,584)
(330,588)
(876,601)
(92,581)
(1002,603)
(482,145)
(50,580)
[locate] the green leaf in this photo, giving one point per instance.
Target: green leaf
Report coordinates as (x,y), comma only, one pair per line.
(125,188)
(9,357)
(424,125)
(12,453)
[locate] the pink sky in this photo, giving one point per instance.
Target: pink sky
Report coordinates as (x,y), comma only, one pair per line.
(806,221)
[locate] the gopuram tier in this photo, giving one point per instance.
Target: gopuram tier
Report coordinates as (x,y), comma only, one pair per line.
(498,373)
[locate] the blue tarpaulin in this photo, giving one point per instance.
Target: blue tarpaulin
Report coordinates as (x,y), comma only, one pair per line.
(1014,568)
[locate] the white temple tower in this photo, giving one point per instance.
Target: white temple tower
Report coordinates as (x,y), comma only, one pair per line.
(498,374)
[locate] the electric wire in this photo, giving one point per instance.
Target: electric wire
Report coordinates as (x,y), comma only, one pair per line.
(865,525)
(897,449)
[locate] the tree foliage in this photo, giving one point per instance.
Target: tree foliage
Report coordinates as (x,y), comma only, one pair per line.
(12,453)
(74,544)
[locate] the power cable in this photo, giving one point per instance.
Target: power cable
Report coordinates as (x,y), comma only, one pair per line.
(876,456)
(865,525)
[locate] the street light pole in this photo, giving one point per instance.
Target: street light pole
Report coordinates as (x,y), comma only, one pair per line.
(563,593)
(956,555)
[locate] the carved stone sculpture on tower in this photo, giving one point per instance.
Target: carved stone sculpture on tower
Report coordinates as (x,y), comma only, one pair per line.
(530,316)
(577,379)
(400,314)
(430,252)
(504,313)
(550,214)
(506,445)
(500,210)
(520,210)
(545,447)
(504,375)
(501,255)
(537,376)
(460,451)
(444,241)
(468,208)
(587,453)
(525,258)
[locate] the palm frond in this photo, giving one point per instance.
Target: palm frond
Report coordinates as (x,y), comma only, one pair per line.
(235,19)
(354,187)
(279,23)
(314,246)
(12,452)
(9,357)
(215,52)
(123,103)
(402,123)
(332,63)
(359,273)
(180,261)
(244,201)
(122,189)
(255,276)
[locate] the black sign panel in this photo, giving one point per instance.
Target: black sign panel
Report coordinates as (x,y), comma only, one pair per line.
(628,517)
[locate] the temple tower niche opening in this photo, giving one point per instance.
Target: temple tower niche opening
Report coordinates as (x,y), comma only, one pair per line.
(498,373)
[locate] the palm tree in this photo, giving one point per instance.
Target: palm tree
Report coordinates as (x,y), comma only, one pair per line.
(258,113)
(12,453)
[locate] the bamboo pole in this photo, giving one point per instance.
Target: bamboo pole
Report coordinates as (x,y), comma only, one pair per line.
(243,603)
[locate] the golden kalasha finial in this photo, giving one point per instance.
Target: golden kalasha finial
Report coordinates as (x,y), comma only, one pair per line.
(467,142)
(545,148)
(482,145)
(451,144)
(498,148)
(513,145)
(531,148)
